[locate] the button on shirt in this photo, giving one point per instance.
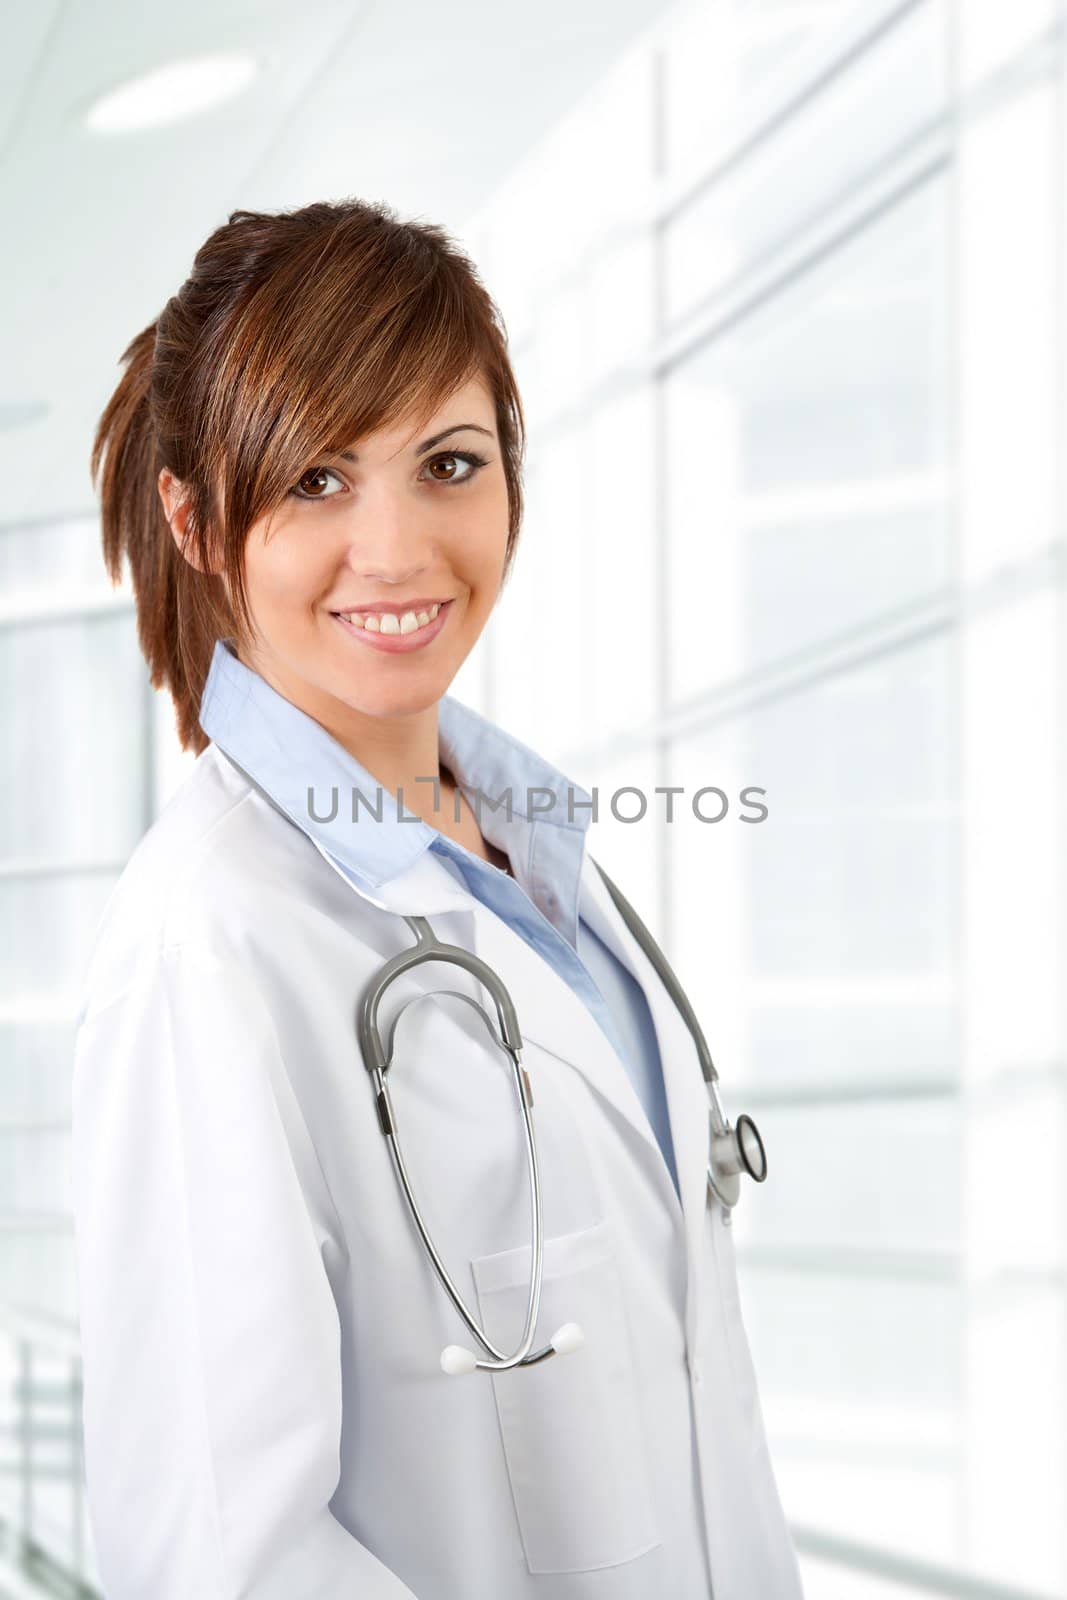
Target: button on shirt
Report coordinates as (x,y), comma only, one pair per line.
(279,746)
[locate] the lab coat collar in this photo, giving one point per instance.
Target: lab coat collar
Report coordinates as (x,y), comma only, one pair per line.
(259,729)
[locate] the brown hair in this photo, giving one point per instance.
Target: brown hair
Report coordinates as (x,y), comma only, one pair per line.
(295,334)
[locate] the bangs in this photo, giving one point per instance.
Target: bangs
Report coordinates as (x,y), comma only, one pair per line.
(328,350)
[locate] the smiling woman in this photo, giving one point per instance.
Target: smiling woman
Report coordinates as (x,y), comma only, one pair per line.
(321,374)
(312,463)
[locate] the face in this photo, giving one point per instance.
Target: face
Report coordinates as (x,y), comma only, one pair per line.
(410,518)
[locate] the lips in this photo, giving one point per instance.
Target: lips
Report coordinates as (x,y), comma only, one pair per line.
(379,608)
(396,643)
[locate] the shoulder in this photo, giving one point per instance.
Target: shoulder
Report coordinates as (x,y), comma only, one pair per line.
(219,868)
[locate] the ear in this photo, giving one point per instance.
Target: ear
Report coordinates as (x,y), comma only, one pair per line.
(177,509)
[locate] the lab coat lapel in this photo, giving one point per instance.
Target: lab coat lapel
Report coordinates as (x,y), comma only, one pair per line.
(687,1096)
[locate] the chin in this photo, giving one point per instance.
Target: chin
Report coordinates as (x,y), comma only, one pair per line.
(388,700)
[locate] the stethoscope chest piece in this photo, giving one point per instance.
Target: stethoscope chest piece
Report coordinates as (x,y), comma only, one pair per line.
(731,1152)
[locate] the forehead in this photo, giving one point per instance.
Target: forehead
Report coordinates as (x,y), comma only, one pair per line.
(471,403)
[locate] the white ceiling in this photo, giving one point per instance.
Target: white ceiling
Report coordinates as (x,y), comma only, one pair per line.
(425,106)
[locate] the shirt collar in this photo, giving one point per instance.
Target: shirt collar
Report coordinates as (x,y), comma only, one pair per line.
(301,767)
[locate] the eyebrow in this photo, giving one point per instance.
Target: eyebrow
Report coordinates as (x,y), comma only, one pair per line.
(428,444)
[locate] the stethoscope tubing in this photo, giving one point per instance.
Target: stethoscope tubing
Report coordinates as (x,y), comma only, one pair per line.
(428,947)
(500,1360)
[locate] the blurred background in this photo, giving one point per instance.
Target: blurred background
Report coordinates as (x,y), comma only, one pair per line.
(784,284)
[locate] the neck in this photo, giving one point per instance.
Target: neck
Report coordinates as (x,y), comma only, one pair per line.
(396,750)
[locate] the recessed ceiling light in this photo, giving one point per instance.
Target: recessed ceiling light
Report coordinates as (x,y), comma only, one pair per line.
(170,93)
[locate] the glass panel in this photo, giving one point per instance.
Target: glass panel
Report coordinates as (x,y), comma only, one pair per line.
(861,1382)
(991,35)
(35,1063)
(74,731)
(808,456)
(881,98)
(823,1580)
(1016,1466)
(880,1180)
(40,1424)
(37,1269)
(34,1169)
(47,926)
(619,628)
(1012,732)
(630,851)
(540,692)
(1009,184)
(49,559)
(828,955)
(730,67)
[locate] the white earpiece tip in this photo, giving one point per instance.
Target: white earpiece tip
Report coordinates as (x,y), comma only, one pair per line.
(455,1360)
(567,1338)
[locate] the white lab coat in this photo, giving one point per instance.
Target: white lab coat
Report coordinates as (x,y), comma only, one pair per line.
(265,1413)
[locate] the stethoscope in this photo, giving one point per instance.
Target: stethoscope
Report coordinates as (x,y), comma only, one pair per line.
(732,1150)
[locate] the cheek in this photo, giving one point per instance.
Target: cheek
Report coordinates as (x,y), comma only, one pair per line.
(284,572)
(487,542)
(482,571)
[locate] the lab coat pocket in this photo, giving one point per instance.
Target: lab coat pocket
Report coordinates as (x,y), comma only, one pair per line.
(572,1429)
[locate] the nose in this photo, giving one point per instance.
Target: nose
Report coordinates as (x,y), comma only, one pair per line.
(380,575)
(389,542)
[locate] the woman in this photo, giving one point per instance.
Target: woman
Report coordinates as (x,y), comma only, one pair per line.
(312,465)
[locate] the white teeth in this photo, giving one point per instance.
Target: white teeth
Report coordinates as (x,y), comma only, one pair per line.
(389,622)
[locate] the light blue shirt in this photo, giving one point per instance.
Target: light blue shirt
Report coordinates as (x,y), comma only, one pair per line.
(294,759)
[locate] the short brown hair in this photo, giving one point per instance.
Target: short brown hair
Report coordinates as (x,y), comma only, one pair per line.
(295,334)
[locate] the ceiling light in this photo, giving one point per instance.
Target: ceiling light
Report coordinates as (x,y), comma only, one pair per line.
(170,93)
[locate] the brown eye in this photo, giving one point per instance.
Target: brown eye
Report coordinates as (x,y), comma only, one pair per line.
(473,464)
(310,484)
(314,483)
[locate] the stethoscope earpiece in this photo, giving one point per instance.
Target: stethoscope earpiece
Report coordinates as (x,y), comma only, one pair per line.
(457,1360)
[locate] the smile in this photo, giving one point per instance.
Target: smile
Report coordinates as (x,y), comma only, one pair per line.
(389,621)
(386,631)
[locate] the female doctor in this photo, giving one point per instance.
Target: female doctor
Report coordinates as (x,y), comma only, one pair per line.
(312,466)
